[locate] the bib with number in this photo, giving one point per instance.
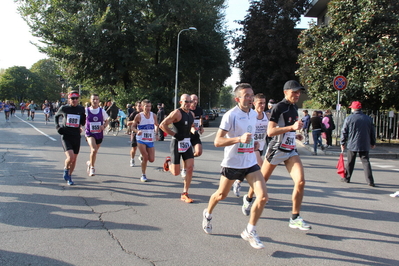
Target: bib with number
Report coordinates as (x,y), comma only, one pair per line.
(288,142)
(73,120)
(246,148)
(147,135)
(95,127)
(183,145)
(196,124)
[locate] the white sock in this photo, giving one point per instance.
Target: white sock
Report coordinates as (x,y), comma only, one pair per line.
(251,228)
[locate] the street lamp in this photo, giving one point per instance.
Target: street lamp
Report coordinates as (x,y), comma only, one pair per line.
(177,61)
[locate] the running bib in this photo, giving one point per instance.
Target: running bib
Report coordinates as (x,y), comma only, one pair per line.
(183,145)
(95,127)
(196,124)
(288,142)
(246,148)
(73,120)
(147,135)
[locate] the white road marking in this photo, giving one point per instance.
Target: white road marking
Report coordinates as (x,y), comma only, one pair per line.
(38,130)
(203,137)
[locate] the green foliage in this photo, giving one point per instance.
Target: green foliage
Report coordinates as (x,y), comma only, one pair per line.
(312,104)
(267,51)
(226,97)
(360,43)
(48,72)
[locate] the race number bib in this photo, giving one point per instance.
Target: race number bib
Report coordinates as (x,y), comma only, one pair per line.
(196,124)
(147,135)
(259,136)
(246,148)
(183,145)
(73,120)
(95,127)
(288,142)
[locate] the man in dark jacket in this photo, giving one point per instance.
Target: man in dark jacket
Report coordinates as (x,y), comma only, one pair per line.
(160,118)
(358,135)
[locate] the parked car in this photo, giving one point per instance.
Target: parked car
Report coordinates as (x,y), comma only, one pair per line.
(215,112)
(223,111)
(205,120)
(210,114)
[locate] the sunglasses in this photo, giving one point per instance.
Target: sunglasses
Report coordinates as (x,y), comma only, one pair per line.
(188,101)
(74,98)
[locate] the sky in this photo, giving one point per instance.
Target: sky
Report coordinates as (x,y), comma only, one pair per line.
(15,39)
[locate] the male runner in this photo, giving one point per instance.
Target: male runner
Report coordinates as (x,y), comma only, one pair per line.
(180,145)
(32,108)
(46,111)
(96,122)
(74,119)
(236,132)
(133,139)
(199,130)
(260,135)
(145,125)
(284,121)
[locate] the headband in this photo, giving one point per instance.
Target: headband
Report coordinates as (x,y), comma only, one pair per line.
(73,94)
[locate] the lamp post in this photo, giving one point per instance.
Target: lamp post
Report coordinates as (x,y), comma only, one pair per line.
(177,61)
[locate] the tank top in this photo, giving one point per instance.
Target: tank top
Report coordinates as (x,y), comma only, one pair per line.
(184,125)
(147,128)
(93,124)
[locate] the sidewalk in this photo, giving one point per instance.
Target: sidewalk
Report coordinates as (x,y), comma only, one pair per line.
(383,151)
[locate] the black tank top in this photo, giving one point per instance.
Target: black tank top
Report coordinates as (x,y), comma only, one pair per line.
(184,125)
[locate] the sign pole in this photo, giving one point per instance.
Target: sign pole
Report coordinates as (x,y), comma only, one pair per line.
(339,83)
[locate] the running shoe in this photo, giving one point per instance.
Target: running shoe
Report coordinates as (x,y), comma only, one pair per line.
(183,173)
(132,162)
(246,206)
(394,195)
(88,167)
(166,164)
(92,171)
(206,223)
(143,178)
(252,238)
(299,223)
(70,182)
(66,175)
(141,158)
(237,188)
(184,197)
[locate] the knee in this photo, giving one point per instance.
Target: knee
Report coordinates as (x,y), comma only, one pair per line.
(300,184)
(151,160)
(94,150)
(218,196)
(197,153)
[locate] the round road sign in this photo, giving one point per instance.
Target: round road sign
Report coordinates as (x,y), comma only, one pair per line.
(340,83)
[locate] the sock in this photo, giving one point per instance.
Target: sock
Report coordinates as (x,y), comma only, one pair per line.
(208,215)
(294,216)
(251,228)
(249,199)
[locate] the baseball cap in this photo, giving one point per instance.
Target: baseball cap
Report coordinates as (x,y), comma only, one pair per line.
(356,105)
(73,94)
(293,85)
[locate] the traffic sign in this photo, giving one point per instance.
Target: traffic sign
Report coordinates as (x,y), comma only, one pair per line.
(340,83)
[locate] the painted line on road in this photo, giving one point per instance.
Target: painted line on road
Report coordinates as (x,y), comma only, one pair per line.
(38,130)
(208,135)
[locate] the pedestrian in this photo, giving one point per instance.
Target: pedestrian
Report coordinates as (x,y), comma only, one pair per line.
(74,120)
(306,125)
(133,139)
(96,123)
(358,136)
(180,145)
(236,134)
(160,118)
(145,126)
(316,123)
(284,122)
(329,126)
(260,134)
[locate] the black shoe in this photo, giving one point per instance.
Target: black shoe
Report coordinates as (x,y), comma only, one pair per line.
(345,180)
(371,185)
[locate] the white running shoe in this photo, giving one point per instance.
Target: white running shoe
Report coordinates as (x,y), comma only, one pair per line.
(206,223)
(299,223)
(141,158)
(237,188)
(246,205)
(143,178)
(92,171)
(394,195)
(132,162)
(252,238)
(183,173)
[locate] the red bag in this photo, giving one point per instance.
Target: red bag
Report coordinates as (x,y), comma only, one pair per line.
(324,135)
(341,166)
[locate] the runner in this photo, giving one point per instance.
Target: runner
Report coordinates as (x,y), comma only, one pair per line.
(32,108)
(284,121)
(145,125)
(46,111)
(260,134)
(133,139)
(74,119)
(236,133)
(96,122)
(22,106)
(180,145)
(28,110)
(7,110)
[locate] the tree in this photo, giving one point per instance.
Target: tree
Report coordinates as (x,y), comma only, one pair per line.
(48,71)
(226,97)
(360,43)
(18,83)
(267,50)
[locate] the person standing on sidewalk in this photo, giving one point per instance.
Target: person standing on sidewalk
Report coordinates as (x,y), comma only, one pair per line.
(96,122)
(306,125)
(236,134)
(283,124)
(329,126)
(145,126)
(180,145)
(358,136)
(316,123)
(160,118)
(74,119)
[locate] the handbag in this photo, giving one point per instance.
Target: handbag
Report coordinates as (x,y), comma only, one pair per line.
(324,135)
(341,166)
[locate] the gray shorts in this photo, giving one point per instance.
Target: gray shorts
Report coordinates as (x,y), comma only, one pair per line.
(276,157)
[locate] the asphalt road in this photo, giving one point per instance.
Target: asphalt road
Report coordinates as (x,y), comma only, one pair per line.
(114,219)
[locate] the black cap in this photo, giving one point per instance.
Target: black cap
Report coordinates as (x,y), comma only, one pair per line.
(293,85)
(271,101)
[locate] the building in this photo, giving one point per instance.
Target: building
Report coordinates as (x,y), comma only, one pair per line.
(318,9)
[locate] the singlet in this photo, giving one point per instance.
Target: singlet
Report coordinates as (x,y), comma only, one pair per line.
(237,122)
(147,128)
(46,109)
(261,131)
(284,114)
(6,107)
(94,120)
(198,112)
(184,125)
